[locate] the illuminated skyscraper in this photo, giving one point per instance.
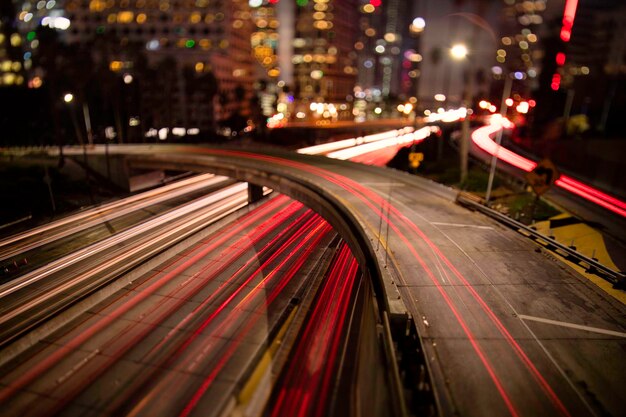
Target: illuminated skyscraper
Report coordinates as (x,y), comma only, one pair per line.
(323,50)
(198,37)
(388,53)
(11,48)
(520,50)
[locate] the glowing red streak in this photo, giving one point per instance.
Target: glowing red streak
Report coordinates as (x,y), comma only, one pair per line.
(315,356)
(568,19)
(592,191)
(306,243)
(576,188)
(295,237)
(30,375)
(482,139)
(343,182)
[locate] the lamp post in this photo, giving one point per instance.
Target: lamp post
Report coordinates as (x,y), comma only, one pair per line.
(506,92)
(68,98)
(459,52)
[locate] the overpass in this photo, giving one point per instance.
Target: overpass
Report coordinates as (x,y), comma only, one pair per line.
(504,328)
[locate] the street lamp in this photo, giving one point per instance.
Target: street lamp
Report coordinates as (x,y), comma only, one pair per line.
(68,98)
(506,92)
(459,52)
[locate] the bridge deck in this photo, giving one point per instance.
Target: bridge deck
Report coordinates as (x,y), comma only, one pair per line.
(507,329)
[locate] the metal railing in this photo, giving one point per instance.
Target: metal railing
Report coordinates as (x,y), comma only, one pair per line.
(591,265)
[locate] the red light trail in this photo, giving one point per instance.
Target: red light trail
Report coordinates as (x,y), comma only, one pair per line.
(568,19)
(305,232)
(379,205)
(482,138)
(305,388)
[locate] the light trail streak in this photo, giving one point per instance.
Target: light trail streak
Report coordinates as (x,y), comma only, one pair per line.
(308,378)
(103,213)
(82,254)
(313,229)
(298,246)
(308,243)
(325,148)
(30,306)
(591,194)
(38,369)
(404,139)
(482,138)
(379,204)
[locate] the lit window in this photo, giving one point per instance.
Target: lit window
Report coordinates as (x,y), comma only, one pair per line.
(125,17)
(96,5)
(16,39)
(195,17)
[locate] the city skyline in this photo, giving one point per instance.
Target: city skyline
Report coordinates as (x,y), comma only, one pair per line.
(196,64)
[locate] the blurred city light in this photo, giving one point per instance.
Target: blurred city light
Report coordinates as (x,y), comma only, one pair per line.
(445,116)
(568,19)
(58,22)
(419,23)
(523,107)
(163,133)
(68,97)
(109,133)
(458,51)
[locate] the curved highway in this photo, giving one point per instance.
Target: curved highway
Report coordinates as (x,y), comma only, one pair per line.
(180,338)
(506,329)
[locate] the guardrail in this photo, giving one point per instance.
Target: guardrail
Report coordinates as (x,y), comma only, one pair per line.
(591,265)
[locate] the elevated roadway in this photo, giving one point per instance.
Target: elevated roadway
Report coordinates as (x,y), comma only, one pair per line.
(506,328)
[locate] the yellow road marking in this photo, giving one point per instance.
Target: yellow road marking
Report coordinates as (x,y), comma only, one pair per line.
(246,393)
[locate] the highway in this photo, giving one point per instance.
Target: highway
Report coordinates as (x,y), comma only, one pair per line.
(505,327)
(283,248)
(579,198)
(508,330)
(188,327)
(35,247)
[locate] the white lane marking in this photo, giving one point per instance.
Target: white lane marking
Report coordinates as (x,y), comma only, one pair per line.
(474,226)
(573,326)
(383,184)
(552,359)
